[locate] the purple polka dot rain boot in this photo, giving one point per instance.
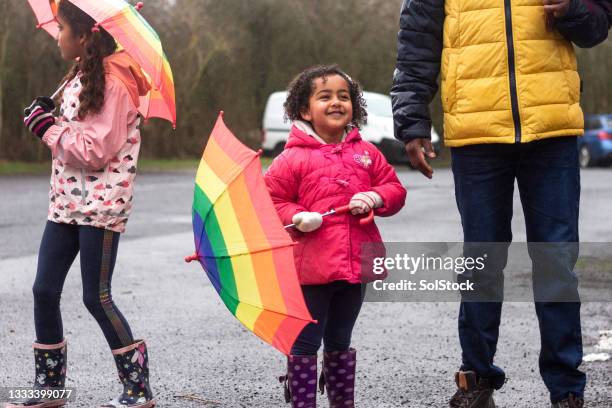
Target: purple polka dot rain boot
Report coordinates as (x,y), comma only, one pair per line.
(300,382)
(338,377)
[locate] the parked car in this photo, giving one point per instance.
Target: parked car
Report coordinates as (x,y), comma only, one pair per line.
(378,131)
(595,147)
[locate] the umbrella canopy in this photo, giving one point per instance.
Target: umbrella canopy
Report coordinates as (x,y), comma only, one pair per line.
(242,244)
(135,36)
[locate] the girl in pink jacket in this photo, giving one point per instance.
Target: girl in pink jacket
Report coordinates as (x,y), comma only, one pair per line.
(94,142)
(326,165)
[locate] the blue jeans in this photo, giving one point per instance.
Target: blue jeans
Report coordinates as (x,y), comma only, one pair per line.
(548,178)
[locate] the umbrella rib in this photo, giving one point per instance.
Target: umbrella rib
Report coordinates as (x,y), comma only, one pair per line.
(279,312)
(212,204)
(271,248)
(40,25)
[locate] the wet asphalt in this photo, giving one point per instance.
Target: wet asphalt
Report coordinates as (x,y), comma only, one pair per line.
(202,357)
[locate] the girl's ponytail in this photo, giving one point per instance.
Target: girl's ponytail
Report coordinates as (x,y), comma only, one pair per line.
(98,45)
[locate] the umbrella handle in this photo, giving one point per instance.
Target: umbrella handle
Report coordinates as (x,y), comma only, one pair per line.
(363,221)
(343,210)
(368,219)
(58,90)
(191,258)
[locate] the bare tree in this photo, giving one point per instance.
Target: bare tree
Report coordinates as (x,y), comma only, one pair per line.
(231,55)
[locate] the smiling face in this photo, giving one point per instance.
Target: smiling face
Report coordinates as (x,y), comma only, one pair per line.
(70,44)
(330,108)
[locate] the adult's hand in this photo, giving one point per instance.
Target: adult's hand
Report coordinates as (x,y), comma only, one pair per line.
(558,8)
(417,150)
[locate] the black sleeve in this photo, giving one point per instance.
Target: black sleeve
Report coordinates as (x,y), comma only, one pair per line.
(419,51)
(587,22)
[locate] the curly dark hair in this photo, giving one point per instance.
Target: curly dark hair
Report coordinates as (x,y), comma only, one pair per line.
(99,44)
(302,87)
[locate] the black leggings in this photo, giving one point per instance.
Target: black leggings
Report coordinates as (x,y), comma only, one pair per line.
(335,306)
(59,247)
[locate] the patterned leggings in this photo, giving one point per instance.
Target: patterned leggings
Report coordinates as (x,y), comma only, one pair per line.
(59,247)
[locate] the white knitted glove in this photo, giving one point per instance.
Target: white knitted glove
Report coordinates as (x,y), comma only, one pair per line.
(307,221)
(364,202)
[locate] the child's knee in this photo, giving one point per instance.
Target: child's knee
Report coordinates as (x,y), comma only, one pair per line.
(46,295)
(305,348)
(94,302)
(341,342)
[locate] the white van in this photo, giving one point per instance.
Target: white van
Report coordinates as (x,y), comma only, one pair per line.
(378,131)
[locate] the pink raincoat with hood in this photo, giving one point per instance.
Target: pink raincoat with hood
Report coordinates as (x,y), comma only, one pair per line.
(95,158)
(312,176)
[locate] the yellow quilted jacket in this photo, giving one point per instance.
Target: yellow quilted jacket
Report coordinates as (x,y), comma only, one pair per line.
(505,78)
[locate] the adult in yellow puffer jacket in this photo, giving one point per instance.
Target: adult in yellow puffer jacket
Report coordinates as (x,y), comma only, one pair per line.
(510,92)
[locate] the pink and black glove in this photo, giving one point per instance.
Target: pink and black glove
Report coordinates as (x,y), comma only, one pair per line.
(364,202)
(38,116)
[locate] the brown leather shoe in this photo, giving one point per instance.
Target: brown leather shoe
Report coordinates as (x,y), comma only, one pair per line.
(569,402)
(472,392)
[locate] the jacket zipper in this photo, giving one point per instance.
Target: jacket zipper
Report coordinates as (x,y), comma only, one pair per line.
(83,198)
(512,72)
(350,248)
(54,181)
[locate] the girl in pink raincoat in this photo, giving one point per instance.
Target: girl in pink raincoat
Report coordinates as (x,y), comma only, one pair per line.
(326,164)
(94,142)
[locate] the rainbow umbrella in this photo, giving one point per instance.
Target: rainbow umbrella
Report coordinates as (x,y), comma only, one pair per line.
(241,243)
(135,36)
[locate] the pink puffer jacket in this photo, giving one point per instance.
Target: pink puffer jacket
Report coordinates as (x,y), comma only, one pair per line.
(95,159)
(311,176)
